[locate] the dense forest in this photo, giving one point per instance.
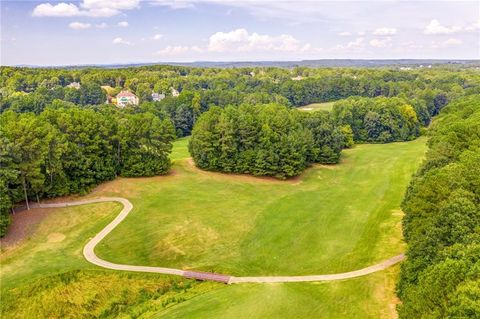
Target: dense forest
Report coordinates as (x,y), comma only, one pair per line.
(378,119)
(269,140)
(31,90)
(68,149)
(441,276)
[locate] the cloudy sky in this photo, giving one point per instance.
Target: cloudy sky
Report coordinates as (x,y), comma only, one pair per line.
(126,31)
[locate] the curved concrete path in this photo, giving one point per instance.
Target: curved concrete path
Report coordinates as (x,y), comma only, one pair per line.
(89,253)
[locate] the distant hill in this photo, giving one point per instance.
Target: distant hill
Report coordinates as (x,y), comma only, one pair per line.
(288,64)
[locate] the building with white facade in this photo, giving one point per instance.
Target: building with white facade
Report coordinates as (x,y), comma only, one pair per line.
(125,98)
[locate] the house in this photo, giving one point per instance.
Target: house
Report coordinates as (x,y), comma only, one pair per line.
(74,85)
(125,98)
(297,78)
(175,93)
(157,96)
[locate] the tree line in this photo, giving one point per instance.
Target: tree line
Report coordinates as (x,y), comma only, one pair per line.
(441,275)
(264,140)
(32,89)
(67,149)
(273,140)
(378,120)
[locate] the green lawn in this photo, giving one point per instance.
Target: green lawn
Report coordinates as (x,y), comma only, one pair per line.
(331,219)
(56,245)
(355,298)
(180,149)
(46,275)
(327,106)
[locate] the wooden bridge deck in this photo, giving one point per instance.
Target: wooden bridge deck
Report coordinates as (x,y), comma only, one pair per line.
(200,275)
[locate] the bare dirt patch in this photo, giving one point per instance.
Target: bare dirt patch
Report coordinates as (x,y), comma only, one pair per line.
(190,165)
(128,187)
(23,225)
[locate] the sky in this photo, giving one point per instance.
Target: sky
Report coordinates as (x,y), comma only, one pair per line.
(140,31)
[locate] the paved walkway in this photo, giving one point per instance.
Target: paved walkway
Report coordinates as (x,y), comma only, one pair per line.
(89,253)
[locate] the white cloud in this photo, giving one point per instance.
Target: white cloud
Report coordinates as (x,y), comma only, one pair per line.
(174,4)
(157,36)
(447,43)
(354,44)
(79,25)
(90,8)
(121,41)
(173,50)
(345,34)
(102,25)
(196,49)
(242,40)
(452,41)
(111,4)
(385,31)
(434,27)
(59,10)
(123,24)
(473,27)
(381,43)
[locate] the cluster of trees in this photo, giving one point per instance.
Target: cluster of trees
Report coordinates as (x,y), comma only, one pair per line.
(441,276)
(30,90)
(378,120)
(264,140)
(67,149)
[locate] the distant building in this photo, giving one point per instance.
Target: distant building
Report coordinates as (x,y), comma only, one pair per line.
(175,93)
(74,85)
(297,78)
(125,98)
(157,96)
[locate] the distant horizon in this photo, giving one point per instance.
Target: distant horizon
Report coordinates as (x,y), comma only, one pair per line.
(394,61)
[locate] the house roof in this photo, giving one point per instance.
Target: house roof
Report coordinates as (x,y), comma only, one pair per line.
(125,94)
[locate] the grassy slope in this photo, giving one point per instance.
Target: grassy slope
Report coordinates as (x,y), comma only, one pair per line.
(367,297)
(45,252)
(177,217)
(326,106)
(356,298)
(331,220)
(46,275)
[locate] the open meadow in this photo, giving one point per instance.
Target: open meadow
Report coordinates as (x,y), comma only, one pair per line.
(327,106)
(331,219)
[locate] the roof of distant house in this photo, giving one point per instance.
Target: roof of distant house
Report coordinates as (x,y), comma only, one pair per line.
(126,94)
(74,84)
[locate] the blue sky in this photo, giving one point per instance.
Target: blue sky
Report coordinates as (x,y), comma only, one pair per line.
(126,31)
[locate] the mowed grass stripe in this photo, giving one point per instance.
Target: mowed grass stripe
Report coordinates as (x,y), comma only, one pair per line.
(326,106)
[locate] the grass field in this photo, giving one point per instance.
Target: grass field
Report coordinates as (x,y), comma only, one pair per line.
(46,275)
(331,219)
(357,298)
(327,106)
